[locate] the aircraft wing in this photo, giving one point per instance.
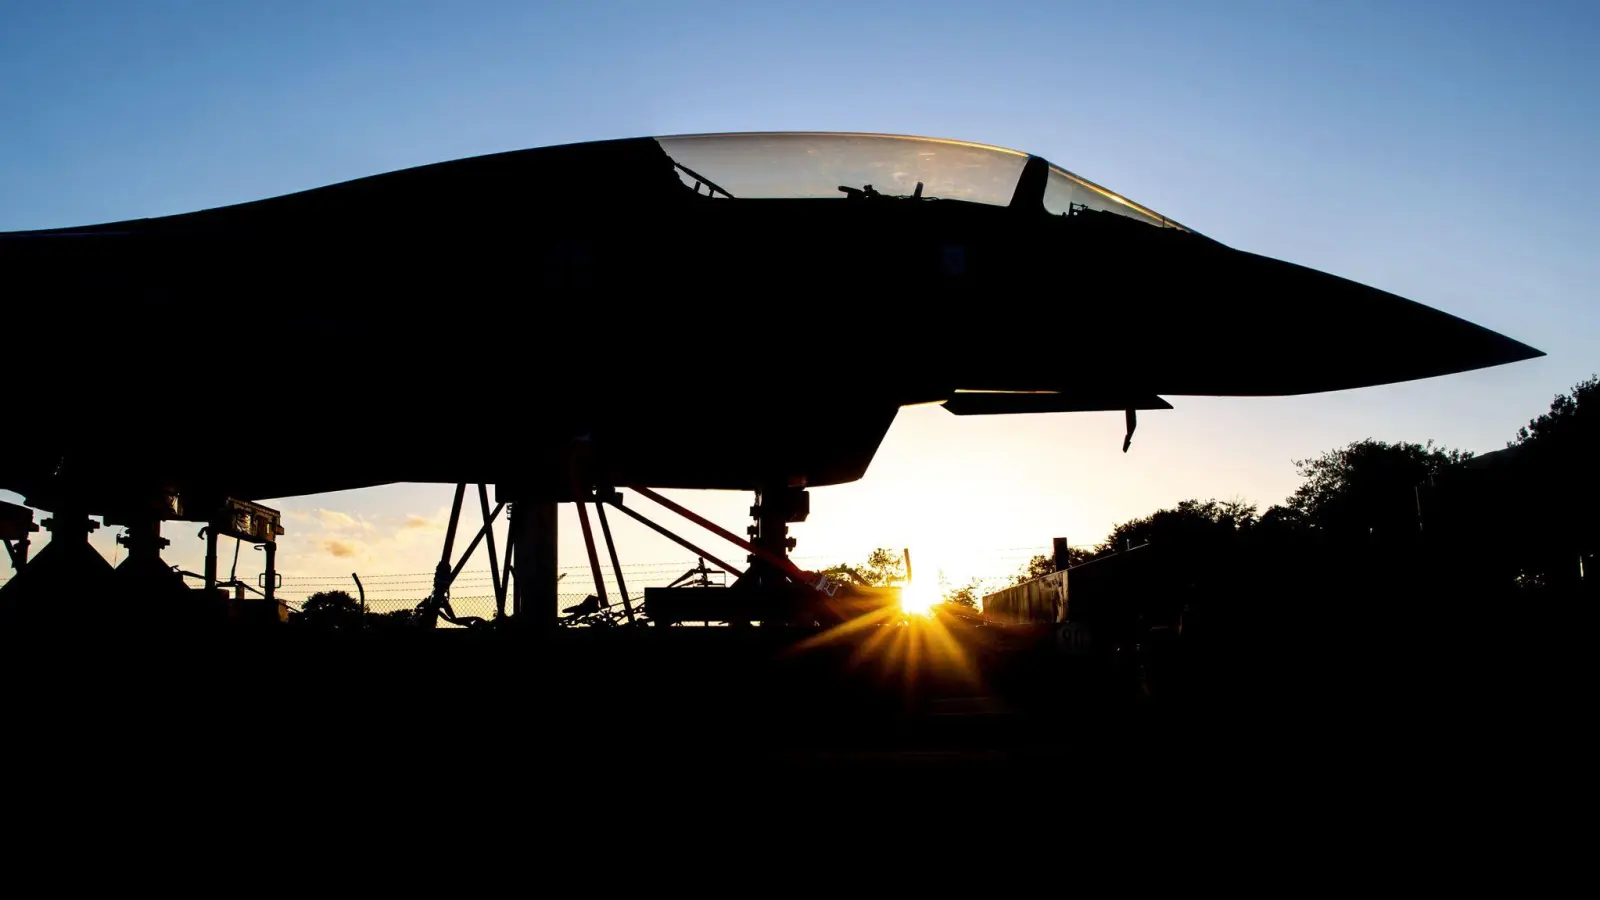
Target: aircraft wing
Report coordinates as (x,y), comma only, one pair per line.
(1000,403)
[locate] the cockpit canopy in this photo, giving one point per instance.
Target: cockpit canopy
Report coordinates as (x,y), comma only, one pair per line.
(818,164)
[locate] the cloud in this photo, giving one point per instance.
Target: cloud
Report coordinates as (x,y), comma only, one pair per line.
(330,542)
(337,547)
(333,520)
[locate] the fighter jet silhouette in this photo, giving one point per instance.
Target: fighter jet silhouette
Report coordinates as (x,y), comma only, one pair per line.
(712,311)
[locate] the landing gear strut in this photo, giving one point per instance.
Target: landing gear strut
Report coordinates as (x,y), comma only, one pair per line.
(776,506)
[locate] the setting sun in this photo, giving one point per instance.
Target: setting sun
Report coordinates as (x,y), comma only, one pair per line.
(920,596)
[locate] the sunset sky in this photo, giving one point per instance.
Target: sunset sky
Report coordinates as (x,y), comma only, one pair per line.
(1440,150)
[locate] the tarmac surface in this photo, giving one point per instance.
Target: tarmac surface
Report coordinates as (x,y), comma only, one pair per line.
(588,708)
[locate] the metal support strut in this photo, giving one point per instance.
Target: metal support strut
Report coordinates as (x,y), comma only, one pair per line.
(580,499)
(616,565)
(445,574)
(778,560)
(616,502)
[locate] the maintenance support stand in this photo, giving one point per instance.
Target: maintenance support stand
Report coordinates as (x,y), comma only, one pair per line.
(250,522)
(16,524)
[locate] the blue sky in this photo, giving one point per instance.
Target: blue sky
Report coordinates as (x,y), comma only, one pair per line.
(1439,150)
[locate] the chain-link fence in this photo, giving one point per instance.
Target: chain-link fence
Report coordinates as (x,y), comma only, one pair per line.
(472,593)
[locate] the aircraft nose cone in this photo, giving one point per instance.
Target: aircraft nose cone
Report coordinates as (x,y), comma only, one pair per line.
(1349,335)
(1269,327)
(1436,343)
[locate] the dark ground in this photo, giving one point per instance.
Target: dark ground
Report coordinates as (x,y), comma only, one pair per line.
(594,706)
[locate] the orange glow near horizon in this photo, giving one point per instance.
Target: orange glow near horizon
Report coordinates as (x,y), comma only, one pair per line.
(919,596)
(890,646)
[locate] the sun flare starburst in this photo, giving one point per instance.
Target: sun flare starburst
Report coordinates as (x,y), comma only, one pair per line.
(919,597)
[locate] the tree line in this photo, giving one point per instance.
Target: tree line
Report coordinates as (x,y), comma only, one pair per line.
(1519,518)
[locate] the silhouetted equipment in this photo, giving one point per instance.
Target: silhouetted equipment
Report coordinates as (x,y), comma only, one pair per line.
(1110,592)
(633,239)
(1103,595)
(699,576)
(772,589)
(78,586)
(1037,601)
(245,521)
(786,603)
(590,604)
(16,525)
(674,606)
(256,602)
(67,581)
